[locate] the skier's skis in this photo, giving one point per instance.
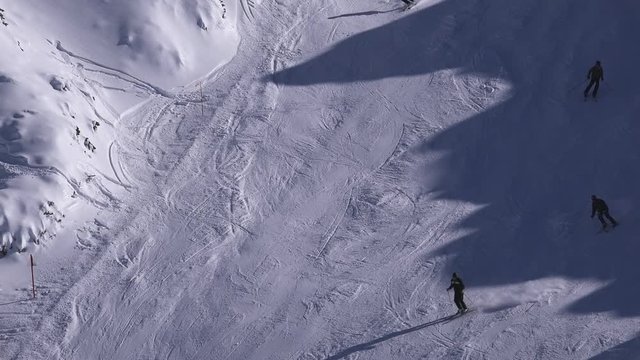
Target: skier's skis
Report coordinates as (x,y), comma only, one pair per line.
(607,229)
(460,313)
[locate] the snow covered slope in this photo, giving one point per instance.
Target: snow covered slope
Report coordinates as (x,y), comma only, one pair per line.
(346,161)
(67,72)
(135,47)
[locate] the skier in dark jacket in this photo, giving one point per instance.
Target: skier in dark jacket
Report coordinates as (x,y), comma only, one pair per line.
(408,2)
(458,292)
(600,207)
(595,74)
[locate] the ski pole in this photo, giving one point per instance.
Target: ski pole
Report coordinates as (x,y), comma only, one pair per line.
(576,86)
(469,300)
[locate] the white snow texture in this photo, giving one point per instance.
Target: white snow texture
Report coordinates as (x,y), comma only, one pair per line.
(215,179)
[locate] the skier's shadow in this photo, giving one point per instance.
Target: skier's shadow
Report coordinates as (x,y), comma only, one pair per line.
(626,350)
(371,344)
(363,13)
(15,301)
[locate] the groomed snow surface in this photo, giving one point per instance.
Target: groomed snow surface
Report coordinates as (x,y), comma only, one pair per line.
(299,179)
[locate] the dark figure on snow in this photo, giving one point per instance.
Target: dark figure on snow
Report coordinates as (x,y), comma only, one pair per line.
(458,292)
(600,207)
(408,2)
(595,74)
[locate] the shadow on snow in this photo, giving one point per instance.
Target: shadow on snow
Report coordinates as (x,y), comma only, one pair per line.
(624,351)
(371,344)
(363,13)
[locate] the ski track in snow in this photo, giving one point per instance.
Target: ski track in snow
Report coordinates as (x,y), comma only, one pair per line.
(293,222)
(115,73)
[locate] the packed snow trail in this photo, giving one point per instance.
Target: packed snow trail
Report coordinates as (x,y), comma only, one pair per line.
(348,160)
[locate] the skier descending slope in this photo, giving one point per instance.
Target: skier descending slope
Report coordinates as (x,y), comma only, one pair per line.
(458,292)
(599,206)
(595,74)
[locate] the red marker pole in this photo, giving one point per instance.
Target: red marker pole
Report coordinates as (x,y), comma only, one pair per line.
(33,279)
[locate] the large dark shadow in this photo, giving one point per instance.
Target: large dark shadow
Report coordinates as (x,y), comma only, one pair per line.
(377,53)
(534,159)
(371,344)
